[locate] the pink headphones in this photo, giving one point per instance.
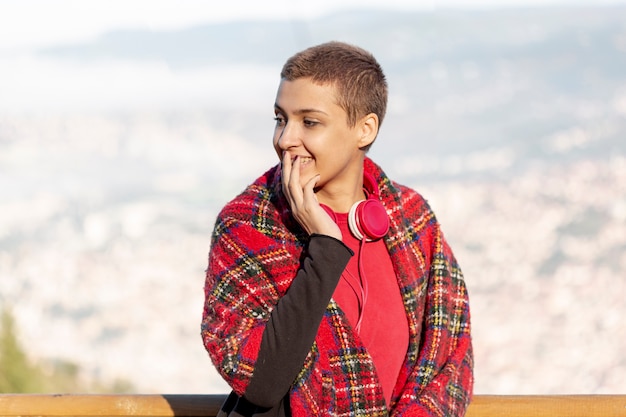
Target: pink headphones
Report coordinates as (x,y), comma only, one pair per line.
(368,218)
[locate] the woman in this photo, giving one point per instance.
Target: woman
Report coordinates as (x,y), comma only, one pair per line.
(330,288)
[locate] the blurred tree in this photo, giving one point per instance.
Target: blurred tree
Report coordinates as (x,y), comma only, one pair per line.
(17,373)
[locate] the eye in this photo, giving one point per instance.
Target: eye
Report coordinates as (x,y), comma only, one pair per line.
(310,123)
(280,120)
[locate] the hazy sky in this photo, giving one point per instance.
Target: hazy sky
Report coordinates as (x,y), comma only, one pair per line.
(26,23)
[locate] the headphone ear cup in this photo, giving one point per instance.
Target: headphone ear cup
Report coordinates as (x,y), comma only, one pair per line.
(368,218)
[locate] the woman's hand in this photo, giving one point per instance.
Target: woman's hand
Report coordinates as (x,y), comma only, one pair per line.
(303,201)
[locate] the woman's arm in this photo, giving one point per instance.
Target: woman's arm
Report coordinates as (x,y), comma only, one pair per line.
(293,324)
(257,339)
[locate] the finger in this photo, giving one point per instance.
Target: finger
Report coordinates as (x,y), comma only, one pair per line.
(318,220)
(295,189)
(286,166)
(286,172)
(308,192)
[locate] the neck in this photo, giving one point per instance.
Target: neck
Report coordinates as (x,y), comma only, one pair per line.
(341,200)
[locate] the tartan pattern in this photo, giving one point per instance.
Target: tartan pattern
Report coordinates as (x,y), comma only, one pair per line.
(255,251)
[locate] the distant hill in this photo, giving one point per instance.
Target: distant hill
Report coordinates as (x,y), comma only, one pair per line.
(402,40)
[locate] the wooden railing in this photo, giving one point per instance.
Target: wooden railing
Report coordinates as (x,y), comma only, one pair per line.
(30,405)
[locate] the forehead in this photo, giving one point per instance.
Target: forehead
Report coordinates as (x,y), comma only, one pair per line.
(302,93)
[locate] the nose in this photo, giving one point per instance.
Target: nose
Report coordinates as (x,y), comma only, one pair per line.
(286,136)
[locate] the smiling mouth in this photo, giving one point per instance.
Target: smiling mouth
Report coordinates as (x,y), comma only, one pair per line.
(303,159)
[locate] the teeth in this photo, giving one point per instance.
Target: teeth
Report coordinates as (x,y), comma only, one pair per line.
(304,159)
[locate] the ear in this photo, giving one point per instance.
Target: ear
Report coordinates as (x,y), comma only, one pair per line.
(368,126)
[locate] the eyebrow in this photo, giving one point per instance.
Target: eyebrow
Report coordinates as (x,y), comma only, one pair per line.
(300,111)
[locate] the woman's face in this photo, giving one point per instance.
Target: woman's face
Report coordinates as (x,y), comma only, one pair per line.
(311,126)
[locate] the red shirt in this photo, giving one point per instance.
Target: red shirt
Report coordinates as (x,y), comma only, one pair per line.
(377,302)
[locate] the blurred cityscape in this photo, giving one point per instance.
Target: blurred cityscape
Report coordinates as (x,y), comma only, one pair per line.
(512,123)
